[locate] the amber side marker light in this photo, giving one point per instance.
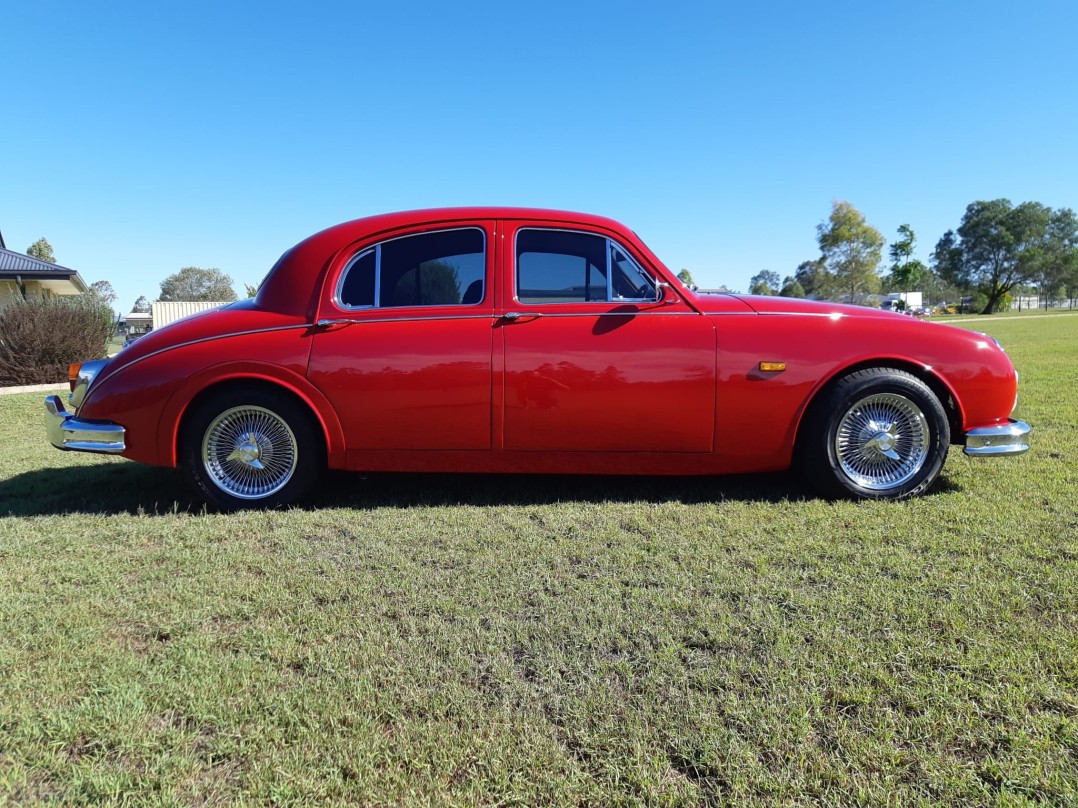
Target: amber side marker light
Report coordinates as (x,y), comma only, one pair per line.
(73,374)
(772,367)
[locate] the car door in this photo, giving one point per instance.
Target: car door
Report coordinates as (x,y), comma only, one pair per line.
(403,349)
(598,357)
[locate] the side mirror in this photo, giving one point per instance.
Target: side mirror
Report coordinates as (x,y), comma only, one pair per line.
(661,291)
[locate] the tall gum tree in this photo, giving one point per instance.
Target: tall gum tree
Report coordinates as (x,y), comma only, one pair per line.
(851,250)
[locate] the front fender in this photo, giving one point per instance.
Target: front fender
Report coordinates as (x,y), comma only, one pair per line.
(759,413)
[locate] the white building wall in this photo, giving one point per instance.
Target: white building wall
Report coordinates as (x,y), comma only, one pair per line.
(169,312)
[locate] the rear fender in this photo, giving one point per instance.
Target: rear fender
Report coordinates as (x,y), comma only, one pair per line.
(179,402)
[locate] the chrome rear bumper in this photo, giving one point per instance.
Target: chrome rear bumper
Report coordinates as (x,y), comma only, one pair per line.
(67,432)
(1011,438)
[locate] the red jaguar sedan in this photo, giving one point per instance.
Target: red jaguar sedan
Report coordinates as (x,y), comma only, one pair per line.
(533,341)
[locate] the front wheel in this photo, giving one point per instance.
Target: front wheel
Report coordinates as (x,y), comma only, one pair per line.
(878,433)
(250,448)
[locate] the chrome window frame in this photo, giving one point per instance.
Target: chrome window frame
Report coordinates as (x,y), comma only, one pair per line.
(610,244)
(377,248)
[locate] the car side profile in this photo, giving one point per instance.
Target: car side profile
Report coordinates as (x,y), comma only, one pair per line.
(533,341)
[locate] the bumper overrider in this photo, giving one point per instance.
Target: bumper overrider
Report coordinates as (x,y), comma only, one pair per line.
(1011,438)
(67,432)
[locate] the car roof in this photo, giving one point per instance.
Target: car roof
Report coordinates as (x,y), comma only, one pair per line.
(296,269)
(406,218)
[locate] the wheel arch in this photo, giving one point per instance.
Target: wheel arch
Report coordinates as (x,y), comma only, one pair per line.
(935,383)
(276,380)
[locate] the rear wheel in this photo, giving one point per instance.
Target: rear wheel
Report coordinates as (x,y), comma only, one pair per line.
(251,448)
(878,433)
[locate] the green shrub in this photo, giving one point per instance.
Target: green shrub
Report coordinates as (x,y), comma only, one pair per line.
(40,337)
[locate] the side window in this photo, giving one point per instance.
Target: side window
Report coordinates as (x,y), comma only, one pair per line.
(557,266)
(357,286)
(629,280)
(445,268)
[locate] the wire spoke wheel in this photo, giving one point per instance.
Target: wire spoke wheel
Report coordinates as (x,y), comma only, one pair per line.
(249,452)
(882,441)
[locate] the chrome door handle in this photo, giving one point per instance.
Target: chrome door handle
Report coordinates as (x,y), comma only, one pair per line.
(517,315)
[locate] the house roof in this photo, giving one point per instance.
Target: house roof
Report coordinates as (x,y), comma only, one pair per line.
(17,264)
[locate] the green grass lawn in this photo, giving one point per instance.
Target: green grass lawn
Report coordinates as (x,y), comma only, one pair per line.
(1027,312)
(526,640)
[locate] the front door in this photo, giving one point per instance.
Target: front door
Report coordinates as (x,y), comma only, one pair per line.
(593,362)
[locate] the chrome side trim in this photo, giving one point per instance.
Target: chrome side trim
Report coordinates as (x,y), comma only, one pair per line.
(642,313)
(1011,438)
(67,432)
(303,326)
(372,320)
(507,316)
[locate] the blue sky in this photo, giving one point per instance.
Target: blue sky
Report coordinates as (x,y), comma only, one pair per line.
(141,138)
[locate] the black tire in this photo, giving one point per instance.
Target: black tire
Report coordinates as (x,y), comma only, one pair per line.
(251,448)
(877,433)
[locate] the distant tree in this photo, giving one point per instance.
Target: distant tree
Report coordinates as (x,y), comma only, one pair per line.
(997,244)
(197,284)
(251,290)
(764,282)
(814,278)
(1070,283)
(142,305)
(1001,247)
(791,287)
(1055,259)
(851,250)
(901,251)
(946,262)
(103,292)
(686,278)
(907,273)
(41,250)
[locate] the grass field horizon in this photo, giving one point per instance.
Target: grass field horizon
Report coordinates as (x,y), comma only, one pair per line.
(425,639)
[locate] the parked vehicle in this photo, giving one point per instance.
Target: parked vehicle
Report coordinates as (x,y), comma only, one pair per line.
(519,340)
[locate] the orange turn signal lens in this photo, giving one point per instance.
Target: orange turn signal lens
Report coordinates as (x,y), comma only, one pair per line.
(772,367)
(73,374)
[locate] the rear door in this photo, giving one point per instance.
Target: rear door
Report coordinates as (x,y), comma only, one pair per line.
(406,355)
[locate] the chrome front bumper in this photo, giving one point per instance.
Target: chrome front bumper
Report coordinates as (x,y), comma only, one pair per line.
(67,432)
(1011,438)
